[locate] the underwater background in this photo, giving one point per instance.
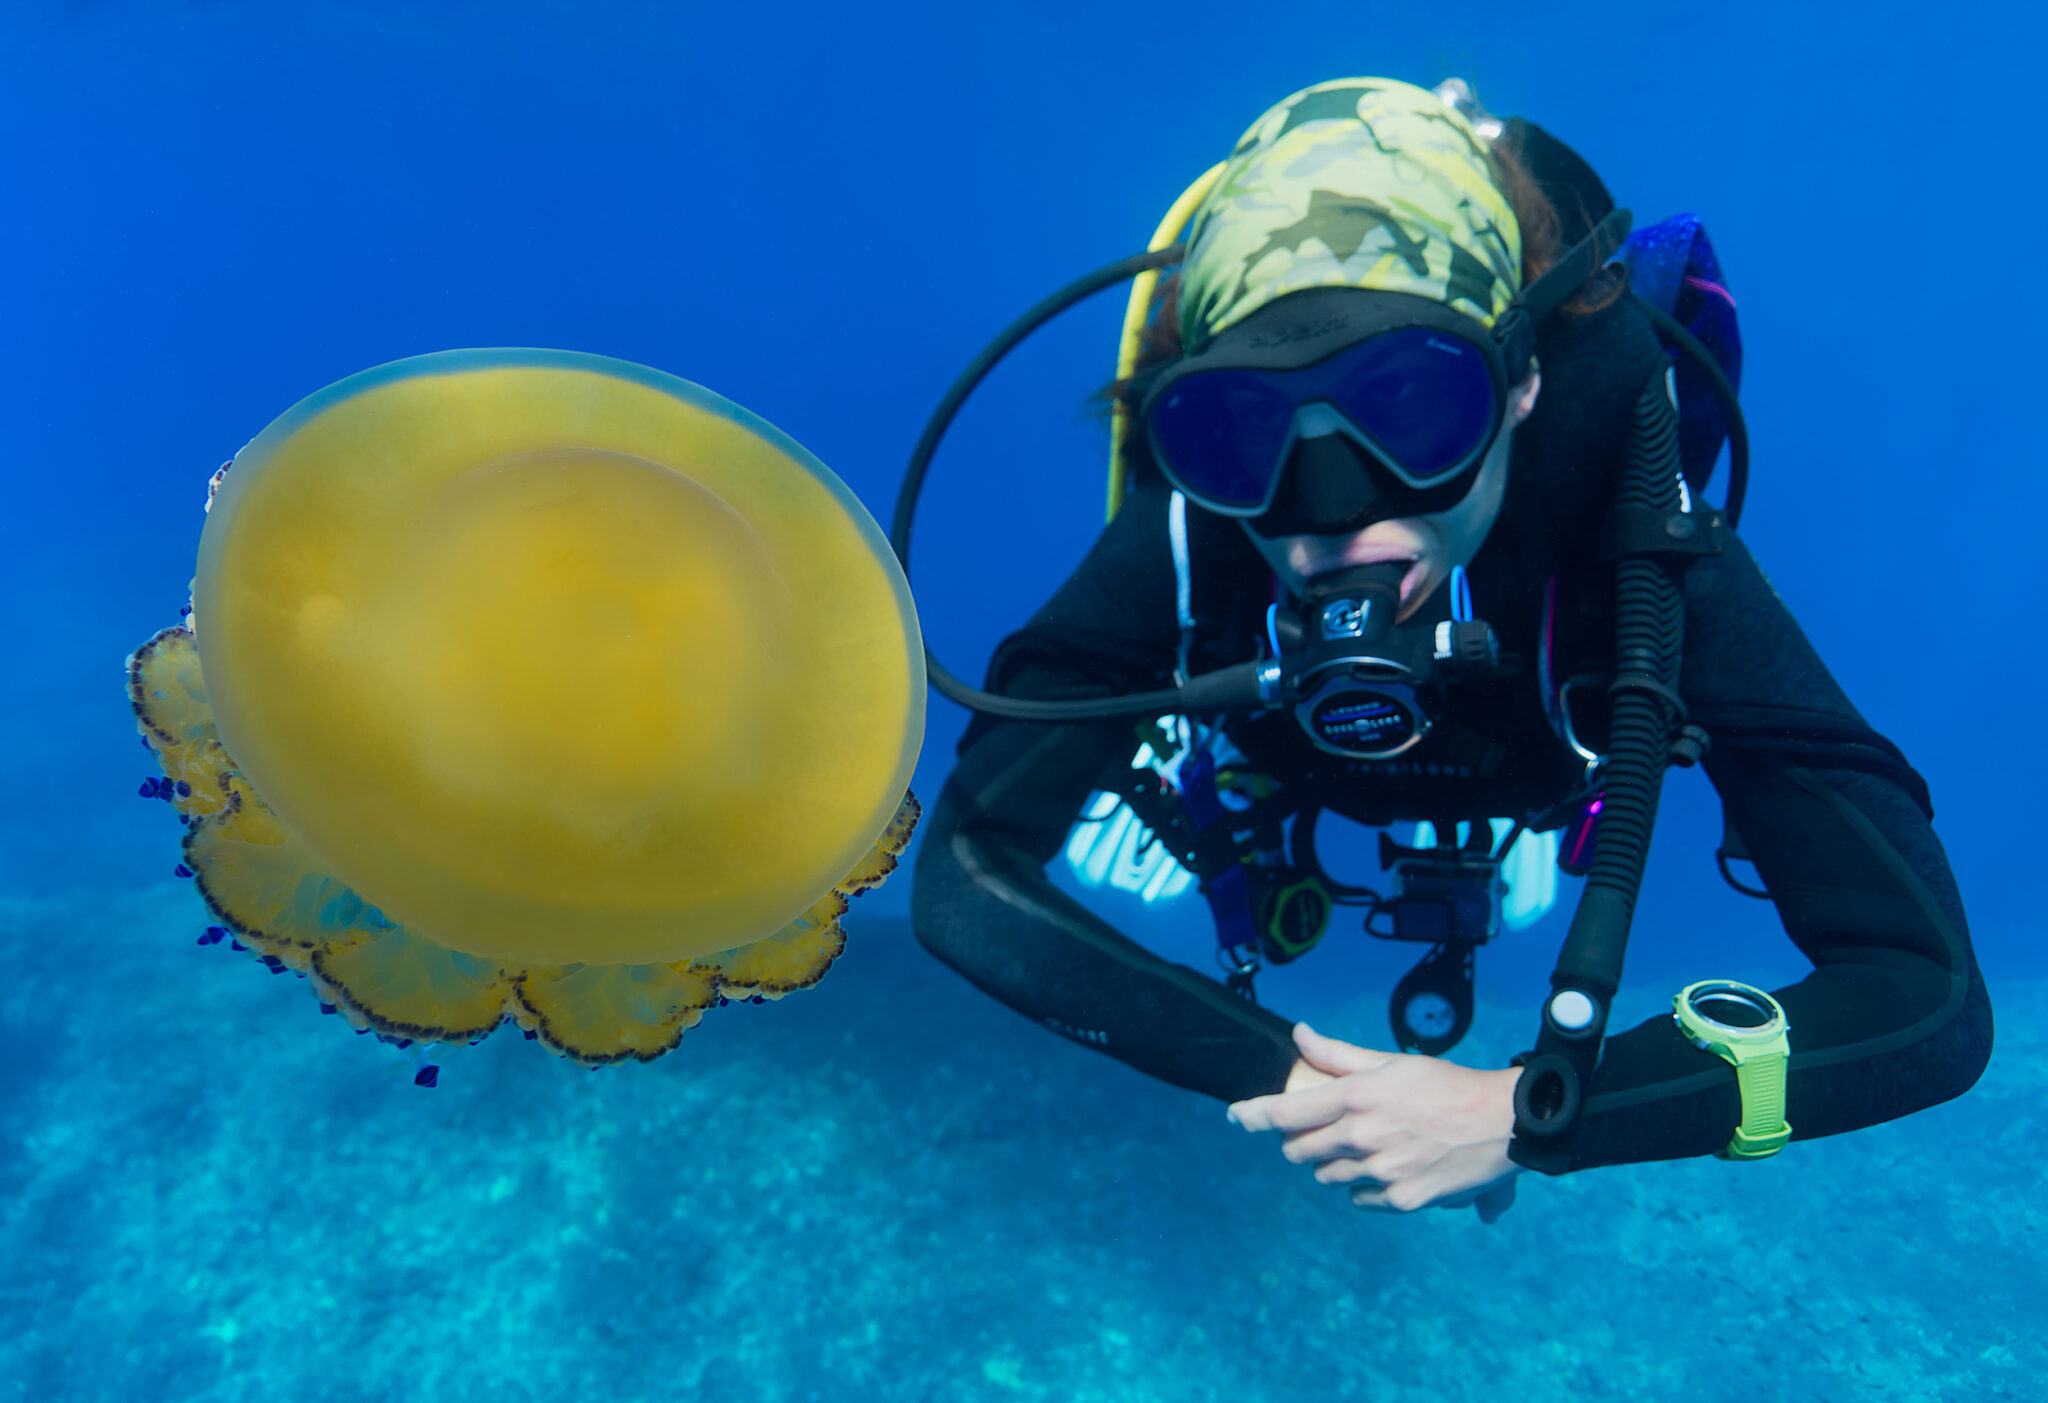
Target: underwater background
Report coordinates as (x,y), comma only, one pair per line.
(891,1187)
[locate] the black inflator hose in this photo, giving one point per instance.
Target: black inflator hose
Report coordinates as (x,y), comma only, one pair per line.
(1723,389)
(1239,691)
(1649,638)
(1649,633)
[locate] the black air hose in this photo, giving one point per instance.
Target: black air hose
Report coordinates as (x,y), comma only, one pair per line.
(1649,639)
(1649,634)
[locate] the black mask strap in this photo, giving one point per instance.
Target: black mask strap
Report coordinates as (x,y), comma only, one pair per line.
(1516,329)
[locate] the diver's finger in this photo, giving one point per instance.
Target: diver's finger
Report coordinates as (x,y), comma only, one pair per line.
(1337,1058)
(1405,1162)
(1394,1196)
(1495,1201)
(1371,1195)
(1350,1136)
(1350,1169)
(1292,1110)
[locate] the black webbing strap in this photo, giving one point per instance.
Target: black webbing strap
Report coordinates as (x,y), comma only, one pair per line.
(1651,531)
(1516,328)
(1815,743)
(1580,262)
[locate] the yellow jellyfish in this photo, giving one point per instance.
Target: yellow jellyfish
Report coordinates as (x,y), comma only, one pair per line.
(538,685)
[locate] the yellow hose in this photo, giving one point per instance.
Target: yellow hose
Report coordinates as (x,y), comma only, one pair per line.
(1135,312)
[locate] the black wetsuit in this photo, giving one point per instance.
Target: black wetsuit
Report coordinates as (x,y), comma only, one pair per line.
(1894,1017)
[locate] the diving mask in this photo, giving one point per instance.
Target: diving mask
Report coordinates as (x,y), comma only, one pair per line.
(1414,392)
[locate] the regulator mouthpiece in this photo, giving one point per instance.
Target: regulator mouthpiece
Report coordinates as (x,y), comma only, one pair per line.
(1366,684)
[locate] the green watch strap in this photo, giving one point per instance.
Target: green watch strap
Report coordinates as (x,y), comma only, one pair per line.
(1760,1076)
(1746,1028)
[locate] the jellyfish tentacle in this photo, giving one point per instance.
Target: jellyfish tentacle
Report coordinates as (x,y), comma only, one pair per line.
(888,849)
(404,985)
(794,958)
(172,712)
(598,1014)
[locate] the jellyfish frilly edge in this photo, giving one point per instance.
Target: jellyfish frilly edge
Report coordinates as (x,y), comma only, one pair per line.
(540,686)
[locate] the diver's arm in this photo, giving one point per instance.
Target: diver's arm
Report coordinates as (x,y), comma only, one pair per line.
(981,900)
(1894,1017)
(982,903)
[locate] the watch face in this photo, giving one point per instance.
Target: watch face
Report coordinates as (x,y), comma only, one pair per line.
(1732,1006)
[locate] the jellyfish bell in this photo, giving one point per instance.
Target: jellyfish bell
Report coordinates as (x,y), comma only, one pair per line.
(563,659)
(537,684)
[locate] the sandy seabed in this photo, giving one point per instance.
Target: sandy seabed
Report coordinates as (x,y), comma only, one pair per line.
(892,1188)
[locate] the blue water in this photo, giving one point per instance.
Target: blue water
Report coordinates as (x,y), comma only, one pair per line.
(890,1187)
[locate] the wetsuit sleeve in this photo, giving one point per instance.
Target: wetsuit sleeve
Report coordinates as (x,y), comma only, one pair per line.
(981,900)
(1894,1017)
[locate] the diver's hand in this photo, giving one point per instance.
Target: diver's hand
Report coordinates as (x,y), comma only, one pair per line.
(1301,1076)
(1407,1132)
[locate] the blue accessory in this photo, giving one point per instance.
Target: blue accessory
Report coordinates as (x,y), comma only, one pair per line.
(1672,267)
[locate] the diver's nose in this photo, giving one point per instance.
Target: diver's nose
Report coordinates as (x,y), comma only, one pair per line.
(1324,488)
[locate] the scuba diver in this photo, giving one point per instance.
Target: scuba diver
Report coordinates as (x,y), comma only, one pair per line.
(1410,436)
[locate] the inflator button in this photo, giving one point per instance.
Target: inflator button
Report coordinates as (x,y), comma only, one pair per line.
(1571,1010)
(1473,646)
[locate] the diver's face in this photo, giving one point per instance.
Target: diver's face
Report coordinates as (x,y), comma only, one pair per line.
(1336,508)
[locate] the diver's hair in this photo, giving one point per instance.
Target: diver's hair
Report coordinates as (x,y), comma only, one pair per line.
(1543,226)
(1543,243)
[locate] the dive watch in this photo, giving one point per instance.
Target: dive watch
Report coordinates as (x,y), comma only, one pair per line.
(1745,1027)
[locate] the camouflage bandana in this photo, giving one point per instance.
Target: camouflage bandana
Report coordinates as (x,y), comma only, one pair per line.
(1357,182)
